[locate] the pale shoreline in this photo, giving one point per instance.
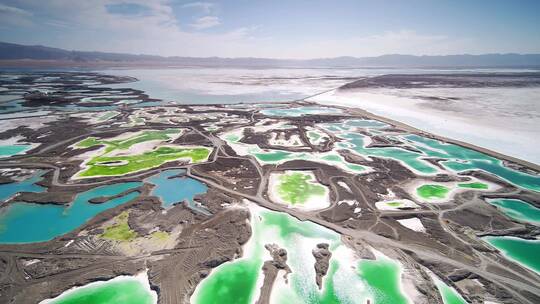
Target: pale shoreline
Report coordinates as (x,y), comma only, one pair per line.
(398,124)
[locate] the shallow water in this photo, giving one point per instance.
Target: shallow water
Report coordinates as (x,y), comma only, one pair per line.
(462,159)
(449,294)
(518,209)
(234,85)
(10,150)
(411,159)
(28,223)
(348,280)
(432,191)
(124,289)
(300,111)
(27,185)
(524,252)
(178,189)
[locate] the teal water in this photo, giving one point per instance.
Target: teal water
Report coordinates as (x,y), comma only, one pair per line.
(27,185)
(12,106)
(462,159)
(518,209)
(10,150)
(300,111)
(457,158)
(525,252)
(28,223)
(355,142)
(178,189)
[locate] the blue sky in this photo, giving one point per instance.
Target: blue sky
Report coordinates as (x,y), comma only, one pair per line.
(279,29)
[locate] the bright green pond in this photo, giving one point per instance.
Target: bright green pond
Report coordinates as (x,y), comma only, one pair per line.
(298,187)
(348,280)
(449,294)
(116,291)
(475,185)
(432,191)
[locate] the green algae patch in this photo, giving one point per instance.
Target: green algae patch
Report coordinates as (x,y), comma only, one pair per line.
(132,290)
(121,165)
(449,294)
(88,142)
(475,185)
(126,143)
(120,231)
(432,191)
(160,235)
(383,277)
(121,156)
(296,188)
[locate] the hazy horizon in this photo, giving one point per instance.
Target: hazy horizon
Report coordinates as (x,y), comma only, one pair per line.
(296,30)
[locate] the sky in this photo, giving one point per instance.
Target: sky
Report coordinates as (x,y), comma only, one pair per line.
(275,29)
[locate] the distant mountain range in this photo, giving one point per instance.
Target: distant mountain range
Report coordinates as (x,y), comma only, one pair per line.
(16,54)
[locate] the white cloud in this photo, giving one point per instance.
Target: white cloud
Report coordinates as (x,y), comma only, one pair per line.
(14,16)
(205,6)
(5,9)
(205,22)
(87,25)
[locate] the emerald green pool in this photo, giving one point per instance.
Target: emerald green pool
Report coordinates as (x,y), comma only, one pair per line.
(383,277)
(118,290)
(348,280)
(524,252)
(432,191)
(449,294)
(474,185)
(298,187)
(518,209)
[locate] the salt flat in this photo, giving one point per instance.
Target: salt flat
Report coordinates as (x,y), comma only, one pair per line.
(505,120)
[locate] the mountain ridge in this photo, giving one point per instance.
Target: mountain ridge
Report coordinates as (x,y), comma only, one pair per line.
(10,52)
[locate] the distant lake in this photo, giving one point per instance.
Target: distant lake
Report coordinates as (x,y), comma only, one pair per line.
(234,85)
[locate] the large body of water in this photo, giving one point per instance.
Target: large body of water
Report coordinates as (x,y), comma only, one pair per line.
(28,223)
(121,289)
(504,120)
(172,187)
(27,185)
(524,252)
(234,85)
(349,280)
